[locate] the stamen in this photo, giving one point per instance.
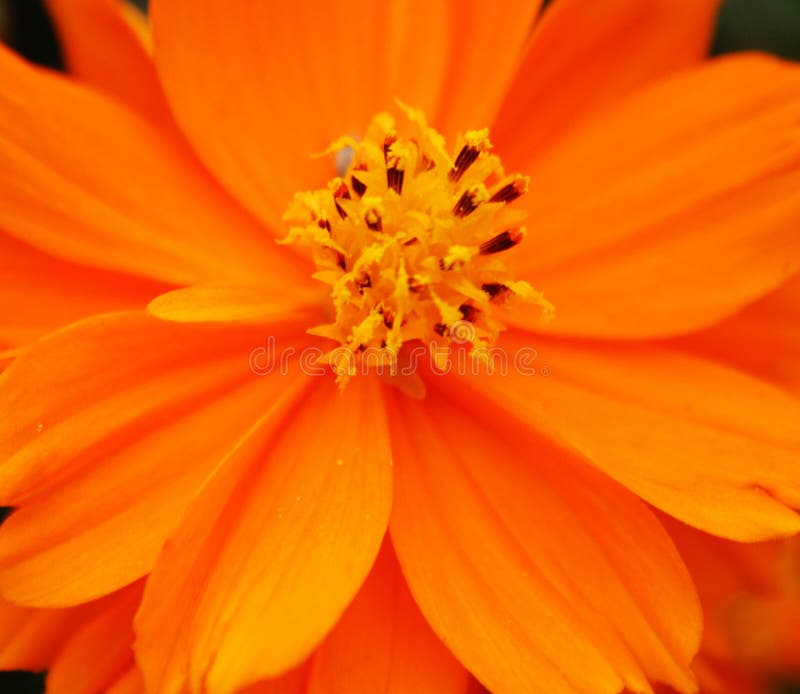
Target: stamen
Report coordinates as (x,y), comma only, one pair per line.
(340,192)
(363,282)
(494,289)
(359,188)
(470,200)
(503,241)
(476,142)
(394,179)
(373,219)
(511,191)
(469,312)
(403,244)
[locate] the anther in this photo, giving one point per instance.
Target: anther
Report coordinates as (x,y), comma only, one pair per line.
(466,158)
(359,188)
(396,162)
(476,142)
(342,192)
(394,179)
(469,200)
(373,219)
(387,144)
(425,163)
(469,312)
(363,282)
(414,285)
(511,191)
(494,289)
(502,242)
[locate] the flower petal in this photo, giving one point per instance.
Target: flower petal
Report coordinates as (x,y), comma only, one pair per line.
(763,338)
(130,682)
(540,573)
(100,651)
(104,416)
(222,303)
(30,639)
(723,572)
(705,443)
(277,545)
(688,210)
(43,293)
(487,47)
(257,108)
(293,682)
(107,44)
(99,185)
(383,644)
(584,56)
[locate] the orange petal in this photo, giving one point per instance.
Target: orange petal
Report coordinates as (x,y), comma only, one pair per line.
(130,682)
(705,443)
(43,293)
(540,573)
(30,639)
(260,87)
(687,212)
(293,682)
(723,571)
(383,644)
(584,56)
(220,303)
(273,550)
(98,653)
(487,48)
(129,400)
(99,185)
(106,43)
(764,338)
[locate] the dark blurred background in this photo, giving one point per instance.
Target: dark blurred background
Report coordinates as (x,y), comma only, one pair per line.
(766,25)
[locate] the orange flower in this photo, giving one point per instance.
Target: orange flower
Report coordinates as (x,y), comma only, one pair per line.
(662,200)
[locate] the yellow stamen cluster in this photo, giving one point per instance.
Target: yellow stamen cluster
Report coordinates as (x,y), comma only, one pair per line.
(410,240)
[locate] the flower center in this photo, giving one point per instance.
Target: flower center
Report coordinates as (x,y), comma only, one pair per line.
(410,240)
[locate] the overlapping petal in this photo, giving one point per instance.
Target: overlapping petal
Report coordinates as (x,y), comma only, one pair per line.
(257,109)
(40,292)
(763,338)
(383,644)
(106,43)
(703,442)
(293,682)
(30,639)
(270,554)
(100,651)
(486,49)
(214,303)
(117,422)
(672,210)
(130,682)
(540,573)
(586,56)
(86,179)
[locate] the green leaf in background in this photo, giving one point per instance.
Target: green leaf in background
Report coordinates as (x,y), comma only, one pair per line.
(764,25)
